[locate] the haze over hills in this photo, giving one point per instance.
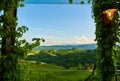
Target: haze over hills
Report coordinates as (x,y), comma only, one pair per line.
(82,46)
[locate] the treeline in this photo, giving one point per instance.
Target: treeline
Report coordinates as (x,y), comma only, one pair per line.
(82,59)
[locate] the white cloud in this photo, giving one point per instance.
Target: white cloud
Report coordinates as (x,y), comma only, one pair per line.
(83,40)
(51,40)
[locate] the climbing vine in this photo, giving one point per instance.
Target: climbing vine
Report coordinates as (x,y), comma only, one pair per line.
(107,35)
(11,47)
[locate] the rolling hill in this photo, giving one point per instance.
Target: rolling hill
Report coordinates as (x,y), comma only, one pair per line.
(82,46)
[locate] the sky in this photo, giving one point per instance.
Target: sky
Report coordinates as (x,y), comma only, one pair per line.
(58,24)
(52,1)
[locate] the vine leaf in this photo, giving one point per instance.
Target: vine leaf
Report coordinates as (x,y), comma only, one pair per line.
(71,1)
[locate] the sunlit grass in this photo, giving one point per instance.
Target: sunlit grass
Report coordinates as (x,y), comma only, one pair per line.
(33,52)
(45,72)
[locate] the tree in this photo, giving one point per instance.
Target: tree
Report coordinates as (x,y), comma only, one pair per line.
(11,47)
(107,34)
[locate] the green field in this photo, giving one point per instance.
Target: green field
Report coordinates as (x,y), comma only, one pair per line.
(32,71)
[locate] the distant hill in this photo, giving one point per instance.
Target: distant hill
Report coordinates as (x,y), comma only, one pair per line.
(82,46)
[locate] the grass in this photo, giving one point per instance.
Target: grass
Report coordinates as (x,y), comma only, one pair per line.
(73,75)
(31,71)
(33,52)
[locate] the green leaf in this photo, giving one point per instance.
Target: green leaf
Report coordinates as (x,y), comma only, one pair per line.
(36,39)
(71,1)
(43,40)
(89,1)
(82,2)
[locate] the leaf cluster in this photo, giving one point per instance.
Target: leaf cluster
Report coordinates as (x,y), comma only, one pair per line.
(107,35)
(6,5)
(11,46)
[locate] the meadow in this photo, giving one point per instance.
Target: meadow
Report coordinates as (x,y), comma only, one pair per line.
(49,65)
(32,71)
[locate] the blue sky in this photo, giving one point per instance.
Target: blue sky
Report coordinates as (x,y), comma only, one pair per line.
(58,23)
(52,1)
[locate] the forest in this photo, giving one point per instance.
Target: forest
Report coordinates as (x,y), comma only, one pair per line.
(68,58)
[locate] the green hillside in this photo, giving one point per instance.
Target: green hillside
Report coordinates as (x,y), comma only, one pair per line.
(66,57)
(59,64)
(31,71)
